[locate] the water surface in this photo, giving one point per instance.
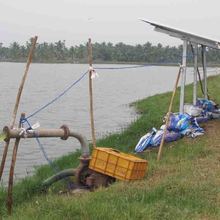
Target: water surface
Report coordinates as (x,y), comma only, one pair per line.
(113,91)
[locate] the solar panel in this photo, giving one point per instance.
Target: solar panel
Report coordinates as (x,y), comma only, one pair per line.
(185,35)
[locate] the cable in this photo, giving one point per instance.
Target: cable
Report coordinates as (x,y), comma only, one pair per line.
(57,97)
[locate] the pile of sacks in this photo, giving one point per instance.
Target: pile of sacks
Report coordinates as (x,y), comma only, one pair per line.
(210,109)
(181,124)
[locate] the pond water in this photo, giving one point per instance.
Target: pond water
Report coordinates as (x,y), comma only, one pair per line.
(114,90)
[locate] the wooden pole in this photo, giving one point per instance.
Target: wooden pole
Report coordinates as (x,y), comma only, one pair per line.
(12,168)
(29,59)
(168,115)
(91,93)
(30,56)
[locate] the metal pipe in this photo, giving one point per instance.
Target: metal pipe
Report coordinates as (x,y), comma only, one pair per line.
(204,71)
(183,77)
(83,141)
(195,73)
(40,133)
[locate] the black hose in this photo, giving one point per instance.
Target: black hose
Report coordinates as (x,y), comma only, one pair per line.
(61,175)
(199,75)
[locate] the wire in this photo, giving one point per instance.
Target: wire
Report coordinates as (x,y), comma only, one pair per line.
(57,97)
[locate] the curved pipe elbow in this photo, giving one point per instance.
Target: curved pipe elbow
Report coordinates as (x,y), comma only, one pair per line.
(83,141)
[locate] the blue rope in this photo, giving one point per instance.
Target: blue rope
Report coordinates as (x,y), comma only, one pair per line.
(78,80)
(53,166)
(57,97)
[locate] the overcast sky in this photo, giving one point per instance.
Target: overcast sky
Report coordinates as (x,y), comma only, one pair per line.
(110,21)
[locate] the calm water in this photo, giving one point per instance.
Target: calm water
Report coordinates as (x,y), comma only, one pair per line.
(113,91)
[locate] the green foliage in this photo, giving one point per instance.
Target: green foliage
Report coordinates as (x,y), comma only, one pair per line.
(102,52)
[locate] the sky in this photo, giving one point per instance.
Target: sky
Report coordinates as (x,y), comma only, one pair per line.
(105,21)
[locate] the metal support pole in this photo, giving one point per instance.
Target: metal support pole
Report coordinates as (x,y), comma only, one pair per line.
(195,73)
(204,72)
(183,76)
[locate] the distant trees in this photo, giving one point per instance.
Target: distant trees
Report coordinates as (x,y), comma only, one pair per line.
(102,52)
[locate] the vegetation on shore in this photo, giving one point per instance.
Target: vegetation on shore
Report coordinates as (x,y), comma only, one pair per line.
(183,185)
(104,52)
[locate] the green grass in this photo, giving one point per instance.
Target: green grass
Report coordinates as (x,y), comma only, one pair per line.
(183,185)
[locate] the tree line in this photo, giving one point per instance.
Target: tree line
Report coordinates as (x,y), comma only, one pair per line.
(104,52)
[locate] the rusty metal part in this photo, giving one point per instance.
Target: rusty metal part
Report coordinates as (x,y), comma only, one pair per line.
(84,177)
(82,171)
(40,133)
(96,180)
(66,132)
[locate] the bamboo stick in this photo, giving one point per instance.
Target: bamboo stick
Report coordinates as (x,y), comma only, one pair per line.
(29,59)
(30,56)
(12,168)
(168,114)
(91,93)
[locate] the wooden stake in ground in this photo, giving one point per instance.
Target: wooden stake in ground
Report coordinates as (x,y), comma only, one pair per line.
(30,55)
(91,93)
(168,115)
(12,168)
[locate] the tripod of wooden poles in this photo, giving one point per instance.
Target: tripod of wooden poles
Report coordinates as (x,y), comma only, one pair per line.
(7,141)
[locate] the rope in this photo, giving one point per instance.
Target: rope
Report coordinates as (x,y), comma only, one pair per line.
(78,80)
(57,97)
(53,166)
(123,67)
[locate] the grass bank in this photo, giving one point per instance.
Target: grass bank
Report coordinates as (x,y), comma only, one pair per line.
(184,185)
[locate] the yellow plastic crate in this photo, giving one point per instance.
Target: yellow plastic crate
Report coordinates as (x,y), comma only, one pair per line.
(117,164)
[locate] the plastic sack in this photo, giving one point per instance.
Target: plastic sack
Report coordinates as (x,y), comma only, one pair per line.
(207,105)
(192,110)
(178,122)
(145,141)
(193,130)
(202,119)
(170,136)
